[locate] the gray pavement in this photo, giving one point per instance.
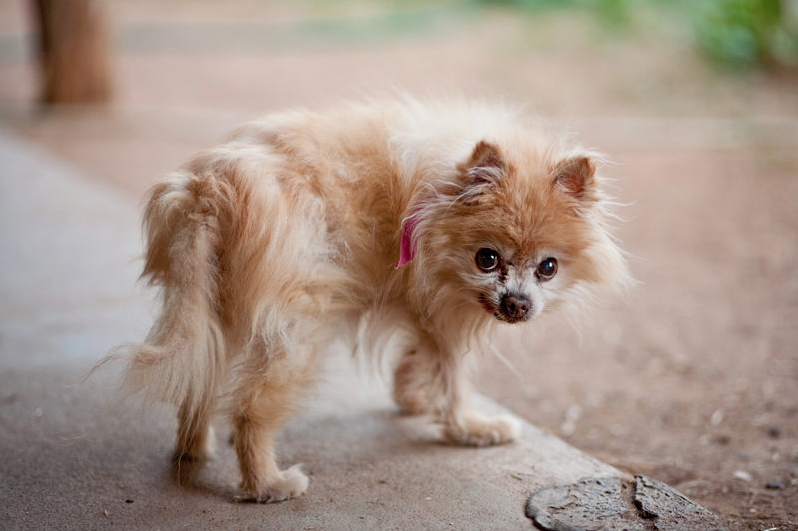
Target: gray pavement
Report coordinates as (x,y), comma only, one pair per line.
(76,457)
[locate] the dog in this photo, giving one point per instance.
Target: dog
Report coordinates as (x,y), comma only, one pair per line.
(429,222)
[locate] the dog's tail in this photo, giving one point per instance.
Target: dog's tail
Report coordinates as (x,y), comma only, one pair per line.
(182,359)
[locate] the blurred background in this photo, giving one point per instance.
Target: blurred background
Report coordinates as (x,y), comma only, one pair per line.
(692,379)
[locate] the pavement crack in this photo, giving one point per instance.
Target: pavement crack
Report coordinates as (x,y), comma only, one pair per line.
(629,493)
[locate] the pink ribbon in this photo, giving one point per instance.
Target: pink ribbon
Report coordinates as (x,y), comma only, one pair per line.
(407,248)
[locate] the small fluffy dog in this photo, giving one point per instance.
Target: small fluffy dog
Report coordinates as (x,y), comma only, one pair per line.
(420,222)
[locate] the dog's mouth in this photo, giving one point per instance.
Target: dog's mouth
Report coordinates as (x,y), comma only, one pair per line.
(488,305)
(510,319)
(510,310)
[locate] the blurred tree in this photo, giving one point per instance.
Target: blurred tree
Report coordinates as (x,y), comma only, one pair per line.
(74,52)
(746,34)
(750,32)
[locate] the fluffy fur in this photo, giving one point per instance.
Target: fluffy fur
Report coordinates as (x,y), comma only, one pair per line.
(424,221)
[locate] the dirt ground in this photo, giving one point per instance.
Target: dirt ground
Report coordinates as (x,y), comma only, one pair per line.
(692,378)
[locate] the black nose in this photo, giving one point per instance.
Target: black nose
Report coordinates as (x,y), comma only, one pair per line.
(515,307)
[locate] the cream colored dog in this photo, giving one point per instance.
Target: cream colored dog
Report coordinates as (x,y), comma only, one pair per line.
(425,221)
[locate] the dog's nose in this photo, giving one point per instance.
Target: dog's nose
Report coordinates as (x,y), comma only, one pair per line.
(515,307)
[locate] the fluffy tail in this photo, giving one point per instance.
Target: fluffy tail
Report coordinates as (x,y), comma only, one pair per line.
(182,359)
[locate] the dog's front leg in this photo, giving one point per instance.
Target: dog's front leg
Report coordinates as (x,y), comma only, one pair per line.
(461,424)
(416,379)
(433,378)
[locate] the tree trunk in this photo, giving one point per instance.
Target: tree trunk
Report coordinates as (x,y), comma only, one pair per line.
(74,51)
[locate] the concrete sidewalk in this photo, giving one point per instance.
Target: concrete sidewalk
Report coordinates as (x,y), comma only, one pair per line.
(74,458)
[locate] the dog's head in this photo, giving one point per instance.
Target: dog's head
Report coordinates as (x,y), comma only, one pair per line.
(514,231)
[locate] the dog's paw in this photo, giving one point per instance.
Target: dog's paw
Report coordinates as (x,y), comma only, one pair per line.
(289,484)
(476,430)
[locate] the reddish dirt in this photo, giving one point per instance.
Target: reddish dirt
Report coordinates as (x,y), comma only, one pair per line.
(692,379)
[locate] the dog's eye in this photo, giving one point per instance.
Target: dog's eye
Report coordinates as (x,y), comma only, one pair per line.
(547,269)
(487,259)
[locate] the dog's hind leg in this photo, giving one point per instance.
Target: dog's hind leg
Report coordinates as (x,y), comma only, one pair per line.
(270,385)
(195,437)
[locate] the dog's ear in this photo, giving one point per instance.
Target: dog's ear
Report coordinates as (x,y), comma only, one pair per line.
(575,176)
(483,171)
